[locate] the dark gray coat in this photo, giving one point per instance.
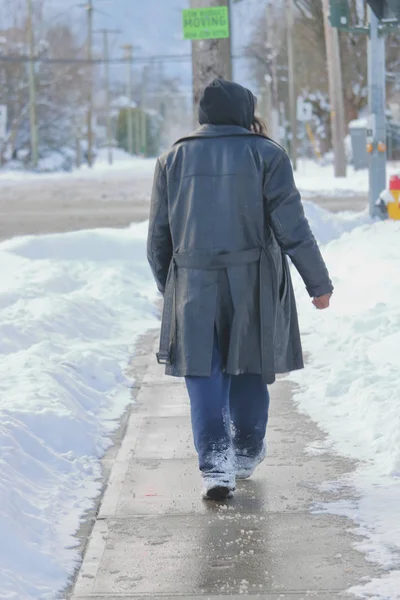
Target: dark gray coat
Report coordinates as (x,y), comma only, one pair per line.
(224,213)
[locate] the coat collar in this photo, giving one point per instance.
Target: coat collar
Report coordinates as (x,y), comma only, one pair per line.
(213,131)
(216,131)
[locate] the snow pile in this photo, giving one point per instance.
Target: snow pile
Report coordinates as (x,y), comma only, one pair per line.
(121,161)
(352,384)
(124,165)
(327,226)
(71,308)
(313,179)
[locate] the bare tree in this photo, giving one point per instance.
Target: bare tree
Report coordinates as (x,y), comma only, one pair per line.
(13,84)
(60,87)
(311,75)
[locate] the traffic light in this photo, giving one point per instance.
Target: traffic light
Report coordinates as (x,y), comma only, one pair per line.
(386,9)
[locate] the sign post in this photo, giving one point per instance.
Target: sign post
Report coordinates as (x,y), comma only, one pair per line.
(206,23)
(304,110)
(377,107)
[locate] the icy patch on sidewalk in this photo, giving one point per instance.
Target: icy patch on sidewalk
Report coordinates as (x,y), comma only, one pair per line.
(351,386)
(71,309)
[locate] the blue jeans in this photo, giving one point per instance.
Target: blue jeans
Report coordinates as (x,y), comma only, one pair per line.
(229,416)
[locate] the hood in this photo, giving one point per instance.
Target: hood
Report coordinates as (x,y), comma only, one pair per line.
(227,103)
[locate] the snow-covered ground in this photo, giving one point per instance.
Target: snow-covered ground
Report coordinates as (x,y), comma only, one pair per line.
(351,386)
(71,308)
(123,165)
(312,178)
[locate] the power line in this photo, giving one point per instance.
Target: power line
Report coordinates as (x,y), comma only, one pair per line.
(32,91)
(89,7)
(43,59)
(128,48)
(98,61)
(335,93)
(291,81)
(105,33)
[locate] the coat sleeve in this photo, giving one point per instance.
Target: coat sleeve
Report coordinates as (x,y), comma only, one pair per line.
(291,228)
(159,241)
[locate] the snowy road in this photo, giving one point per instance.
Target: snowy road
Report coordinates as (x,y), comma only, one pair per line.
(104,197)
(56,207)
(70,203)
(119,195)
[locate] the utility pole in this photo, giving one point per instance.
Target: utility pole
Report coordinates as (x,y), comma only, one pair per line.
(210,58)
(230,17)
(271,37)
(32,91)
(89,8)
(272,84)
(341,117)
(335,93)
(376,104)
(129,61)
(291,82)
(143,114)
(108,98)
(266,91)
(106,55)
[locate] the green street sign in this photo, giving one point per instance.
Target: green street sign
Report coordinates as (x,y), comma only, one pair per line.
(206,23)
(340,13)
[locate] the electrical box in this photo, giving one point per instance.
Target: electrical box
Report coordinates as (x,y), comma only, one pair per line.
(304,110)
(340,14)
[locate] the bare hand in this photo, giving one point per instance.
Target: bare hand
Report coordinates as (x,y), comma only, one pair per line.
(322,302)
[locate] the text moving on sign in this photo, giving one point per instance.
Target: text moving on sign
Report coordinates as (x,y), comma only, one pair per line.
(206,23)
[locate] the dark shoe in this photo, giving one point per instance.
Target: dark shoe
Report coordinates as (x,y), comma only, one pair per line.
(217,488)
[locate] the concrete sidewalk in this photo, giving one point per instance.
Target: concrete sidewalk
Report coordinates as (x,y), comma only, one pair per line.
(155,538)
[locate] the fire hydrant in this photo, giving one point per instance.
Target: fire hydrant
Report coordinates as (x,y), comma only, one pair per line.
(393,207)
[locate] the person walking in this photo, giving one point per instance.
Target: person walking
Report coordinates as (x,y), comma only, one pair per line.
(225,213)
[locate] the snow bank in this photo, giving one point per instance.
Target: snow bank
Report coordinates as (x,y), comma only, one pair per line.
(327,226)
(313,179)
(352,384)
(71,308)
(358,124)
(124,165)
(122,162)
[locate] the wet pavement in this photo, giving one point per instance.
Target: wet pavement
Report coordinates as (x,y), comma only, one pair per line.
(154,537)
(69,203)
(58,204)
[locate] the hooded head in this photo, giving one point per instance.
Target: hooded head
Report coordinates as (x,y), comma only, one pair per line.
(227,103)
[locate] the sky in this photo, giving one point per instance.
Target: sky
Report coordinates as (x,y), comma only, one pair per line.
(154,28)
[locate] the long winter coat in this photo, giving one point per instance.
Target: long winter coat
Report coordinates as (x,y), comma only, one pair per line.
(225,213)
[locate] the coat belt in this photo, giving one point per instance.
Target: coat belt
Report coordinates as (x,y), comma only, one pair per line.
(213,262)
(188,260)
